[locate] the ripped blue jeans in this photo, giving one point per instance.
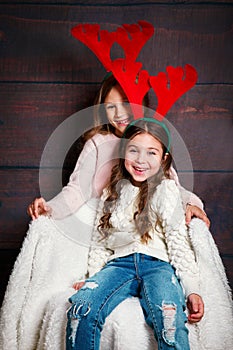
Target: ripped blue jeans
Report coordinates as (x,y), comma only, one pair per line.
(152,280)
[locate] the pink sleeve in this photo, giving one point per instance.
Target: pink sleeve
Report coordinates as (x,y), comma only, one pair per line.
(79,188)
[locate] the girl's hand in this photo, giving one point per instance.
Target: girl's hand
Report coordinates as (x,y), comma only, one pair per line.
(37,208)
(193,210)
(78,285)
(196,308)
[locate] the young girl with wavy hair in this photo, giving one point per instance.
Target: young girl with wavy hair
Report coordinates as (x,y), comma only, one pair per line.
(142,242)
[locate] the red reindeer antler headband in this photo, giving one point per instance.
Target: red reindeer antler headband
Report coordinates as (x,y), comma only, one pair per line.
(136,82)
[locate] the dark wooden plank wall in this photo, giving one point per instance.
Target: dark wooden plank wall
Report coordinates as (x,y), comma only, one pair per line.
(46,76)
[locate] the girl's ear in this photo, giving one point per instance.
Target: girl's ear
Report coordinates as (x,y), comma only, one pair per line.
(163,161)
(165,156)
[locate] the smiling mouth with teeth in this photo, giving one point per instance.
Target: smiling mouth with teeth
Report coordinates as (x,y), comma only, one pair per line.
(122,122)
(140,170)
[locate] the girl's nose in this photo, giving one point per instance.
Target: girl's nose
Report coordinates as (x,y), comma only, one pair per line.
(140,157)
(120,110)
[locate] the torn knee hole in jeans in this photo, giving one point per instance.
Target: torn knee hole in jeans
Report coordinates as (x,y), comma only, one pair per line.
(169,321)
(77,312)
(90,285)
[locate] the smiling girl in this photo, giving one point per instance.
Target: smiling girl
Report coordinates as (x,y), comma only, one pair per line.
(144,244)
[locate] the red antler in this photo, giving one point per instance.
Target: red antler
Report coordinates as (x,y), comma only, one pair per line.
(134,81)
(169,87)
(99,41)
(132,37)
(133,44)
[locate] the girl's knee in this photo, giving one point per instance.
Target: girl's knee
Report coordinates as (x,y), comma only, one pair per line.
(85,293)
(169,315)
(83,308)
(78,312)
(169,322)
(174,324)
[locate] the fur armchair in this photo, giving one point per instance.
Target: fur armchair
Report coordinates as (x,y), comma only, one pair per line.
(33,314)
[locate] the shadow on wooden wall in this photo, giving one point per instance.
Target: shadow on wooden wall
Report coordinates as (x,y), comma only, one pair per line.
(46,76)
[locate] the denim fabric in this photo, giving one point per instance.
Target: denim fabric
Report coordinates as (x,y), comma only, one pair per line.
(152,280)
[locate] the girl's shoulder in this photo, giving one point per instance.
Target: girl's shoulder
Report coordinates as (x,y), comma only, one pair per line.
(101,138)
(98,139)
(167,184)
(165,193)
(166,199)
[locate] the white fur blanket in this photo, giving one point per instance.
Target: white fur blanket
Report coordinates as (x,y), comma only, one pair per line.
(33,315)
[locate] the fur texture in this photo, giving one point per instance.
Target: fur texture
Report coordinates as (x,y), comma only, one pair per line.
(33,315)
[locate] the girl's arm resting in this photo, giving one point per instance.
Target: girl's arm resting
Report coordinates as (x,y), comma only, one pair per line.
(80,186)
(194,211)
(190,198)
(187,196)
(192,204)
(78,285)
(38,207)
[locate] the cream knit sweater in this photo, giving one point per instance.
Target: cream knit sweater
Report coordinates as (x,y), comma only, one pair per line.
(170,240)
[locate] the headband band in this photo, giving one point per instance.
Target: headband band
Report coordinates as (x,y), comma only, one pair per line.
(151,120)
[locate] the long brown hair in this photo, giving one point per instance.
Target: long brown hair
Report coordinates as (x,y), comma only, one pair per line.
(147,187)
(101,123)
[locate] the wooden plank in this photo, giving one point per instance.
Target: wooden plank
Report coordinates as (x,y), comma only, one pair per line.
(18,188)
(44,50)
(228,263)
(31,112)
(115,3)
(213,137)
(7,259)
(216,191)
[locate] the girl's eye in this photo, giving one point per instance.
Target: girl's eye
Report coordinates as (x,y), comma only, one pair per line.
(110,106)
(132,150)
(152,153)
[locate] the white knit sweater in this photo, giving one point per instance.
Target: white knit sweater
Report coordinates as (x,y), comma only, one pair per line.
(170,240)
